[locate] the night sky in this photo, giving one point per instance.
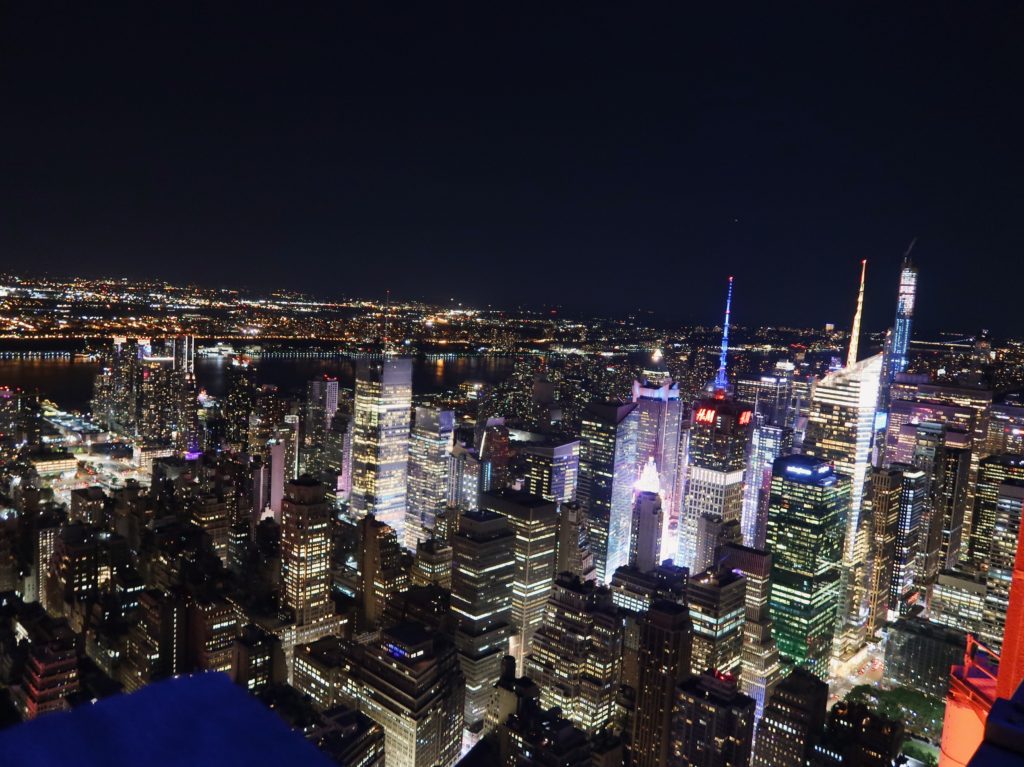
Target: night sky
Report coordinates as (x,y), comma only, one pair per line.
(605,158)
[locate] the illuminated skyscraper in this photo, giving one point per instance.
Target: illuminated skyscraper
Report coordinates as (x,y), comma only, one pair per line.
(659,413)
(964,407)
(907,556)
(899,341)
(958,600)
(433,564)
(576,655)
(338,456)
(771,395)
(409,683)
(761,669)
(992,473)
(908,487)
(429,448)
(552,469)
(806,522)
(792,722)
(534,521)
(719,433)
(1001,561)
(950,491)
(887,489)
(380,440)
(306,551)
(648,518)
(666,635)
(484,555)
(468,476)
(768,443)
(607,473)
(840,430)
(1006,426)
(717,602)
(241,399)
(321,405)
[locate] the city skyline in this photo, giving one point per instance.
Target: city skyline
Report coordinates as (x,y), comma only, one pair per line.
(581,386)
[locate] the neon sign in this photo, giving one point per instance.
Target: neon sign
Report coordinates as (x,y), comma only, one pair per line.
(705,415)
(745,417)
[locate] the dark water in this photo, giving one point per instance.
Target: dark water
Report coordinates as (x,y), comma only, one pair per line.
(69,383)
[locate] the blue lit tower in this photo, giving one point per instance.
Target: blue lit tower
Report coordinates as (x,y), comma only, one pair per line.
(900,339)
(721,379)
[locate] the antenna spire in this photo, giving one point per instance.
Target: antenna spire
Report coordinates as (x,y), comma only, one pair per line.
(851,358)
(906,253)
(721,379)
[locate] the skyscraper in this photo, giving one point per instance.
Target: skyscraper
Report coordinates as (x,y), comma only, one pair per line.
(607,473)
(321,405)
(496,451)
(992,473)
(767,443)
(484,556)
(840,430)
(552,469)
(306,551)
(380,440)
(906,550)
(717,602)
(806,522)
(381,574)
(659,439)
(433,564)
(761,670)
(713,723)
(666,634)
(429,449)
(719,433)
(572,552)
(534,522)
(887,489)
(576,654)
(647,525)
(770,395)
(792,722)
(899,341)
(409,682)
(468,476)
(241,399)
(1002,558)
(963,406)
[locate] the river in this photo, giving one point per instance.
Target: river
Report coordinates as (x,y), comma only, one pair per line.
(69,383)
